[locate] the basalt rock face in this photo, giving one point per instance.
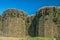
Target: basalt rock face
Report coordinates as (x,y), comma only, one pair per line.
(45,23)
(1,26)
(14,23)
(46,26)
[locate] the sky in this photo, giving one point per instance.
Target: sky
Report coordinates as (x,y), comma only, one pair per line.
(28,6)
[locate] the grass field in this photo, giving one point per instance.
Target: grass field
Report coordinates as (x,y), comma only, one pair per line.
(25,38)
(39,38)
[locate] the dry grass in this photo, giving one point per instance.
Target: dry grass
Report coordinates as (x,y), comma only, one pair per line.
(12,38)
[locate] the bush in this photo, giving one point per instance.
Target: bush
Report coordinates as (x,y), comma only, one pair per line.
(57,38)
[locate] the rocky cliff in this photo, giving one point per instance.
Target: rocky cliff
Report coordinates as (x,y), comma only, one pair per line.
(45,23)
(14,23)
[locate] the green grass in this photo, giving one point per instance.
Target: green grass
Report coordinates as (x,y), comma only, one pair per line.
(39,38)
(36,38)
(58,38)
